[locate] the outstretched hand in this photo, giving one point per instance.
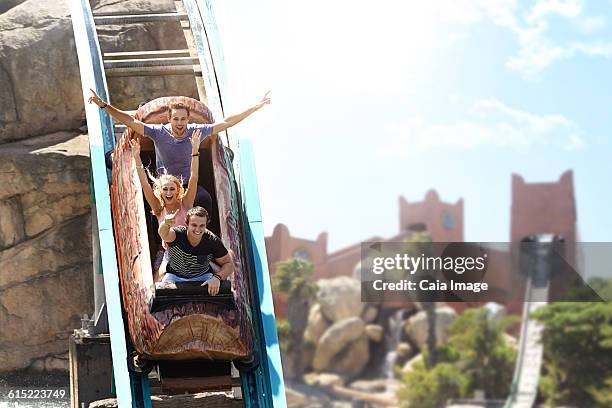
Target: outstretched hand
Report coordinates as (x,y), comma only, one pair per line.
(195,141)
(264,101)
(94,98)
(135,144)
(170,218)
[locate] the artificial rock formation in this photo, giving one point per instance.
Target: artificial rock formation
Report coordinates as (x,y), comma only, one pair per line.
(343,348)
(40,87)
(45,248)
(340,298)
(317,324)
(375,332)
(416,326)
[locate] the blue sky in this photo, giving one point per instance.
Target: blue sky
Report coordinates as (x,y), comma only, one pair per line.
(376,100)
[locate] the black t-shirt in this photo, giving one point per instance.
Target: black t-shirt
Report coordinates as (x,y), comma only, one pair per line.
(188,261)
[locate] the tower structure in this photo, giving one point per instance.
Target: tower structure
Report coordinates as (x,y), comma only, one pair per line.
(545,208)
(443,221)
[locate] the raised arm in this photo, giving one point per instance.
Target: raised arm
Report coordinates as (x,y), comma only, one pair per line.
(119,115)
(192,186)
(165,231)
(144,182)
(234,119)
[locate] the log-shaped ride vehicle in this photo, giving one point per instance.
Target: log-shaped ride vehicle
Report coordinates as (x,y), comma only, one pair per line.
(179,321)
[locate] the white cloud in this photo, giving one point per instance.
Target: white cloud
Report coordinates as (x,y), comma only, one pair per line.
(489,123)
(589,25)
(339,44)
(543,9)
(538,47)
(538,55)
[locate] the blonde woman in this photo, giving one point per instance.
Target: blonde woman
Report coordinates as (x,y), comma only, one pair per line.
(167,196)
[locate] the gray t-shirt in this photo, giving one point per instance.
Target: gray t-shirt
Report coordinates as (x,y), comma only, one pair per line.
(174,154)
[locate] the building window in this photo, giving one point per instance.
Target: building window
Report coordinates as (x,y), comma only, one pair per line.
(418,227)
(301,253)
(448,220)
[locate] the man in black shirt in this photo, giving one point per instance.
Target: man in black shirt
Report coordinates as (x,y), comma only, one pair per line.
(190,250)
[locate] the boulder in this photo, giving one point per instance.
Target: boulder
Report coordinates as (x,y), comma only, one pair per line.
(335,339)
(375,332)
(343,349)
(323,379)
(370,313)
(416,327)
(317,324)
(352,360)
(340,298)
(39,73)
(403,352)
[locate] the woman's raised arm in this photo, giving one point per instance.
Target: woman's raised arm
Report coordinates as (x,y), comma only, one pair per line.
(142,175)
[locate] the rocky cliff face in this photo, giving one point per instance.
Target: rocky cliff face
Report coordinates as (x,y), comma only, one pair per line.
(45,226)
(45,247)
(40,88)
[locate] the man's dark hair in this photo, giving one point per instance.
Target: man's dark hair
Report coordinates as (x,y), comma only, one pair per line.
(177,105)
(198,212)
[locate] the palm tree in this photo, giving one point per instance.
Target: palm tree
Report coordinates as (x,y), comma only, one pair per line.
(294,277)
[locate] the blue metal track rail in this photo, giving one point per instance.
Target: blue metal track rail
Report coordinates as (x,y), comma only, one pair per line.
(101,140)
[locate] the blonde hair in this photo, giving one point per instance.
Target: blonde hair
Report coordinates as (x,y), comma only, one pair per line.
(160,181)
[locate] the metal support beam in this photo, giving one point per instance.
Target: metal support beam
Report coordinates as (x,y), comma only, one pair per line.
(145,54)
(138,18)
(154,71)
(151,62)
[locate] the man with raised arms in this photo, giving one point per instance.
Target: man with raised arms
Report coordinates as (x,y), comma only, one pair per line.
(192,248)
(172,144)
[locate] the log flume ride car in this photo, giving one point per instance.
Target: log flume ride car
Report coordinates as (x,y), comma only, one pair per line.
(179,321)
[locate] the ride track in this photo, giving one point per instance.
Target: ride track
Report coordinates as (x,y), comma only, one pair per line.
(524,388)
(526,377)
(264,386)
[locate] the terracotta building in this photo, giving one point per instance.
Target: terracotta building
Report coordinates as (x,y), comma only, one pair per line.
(543,208)
(536,208)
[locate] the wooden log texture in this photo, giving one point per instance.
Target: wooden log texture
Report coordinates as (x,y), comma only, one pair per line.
(227,200)
(184,331)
